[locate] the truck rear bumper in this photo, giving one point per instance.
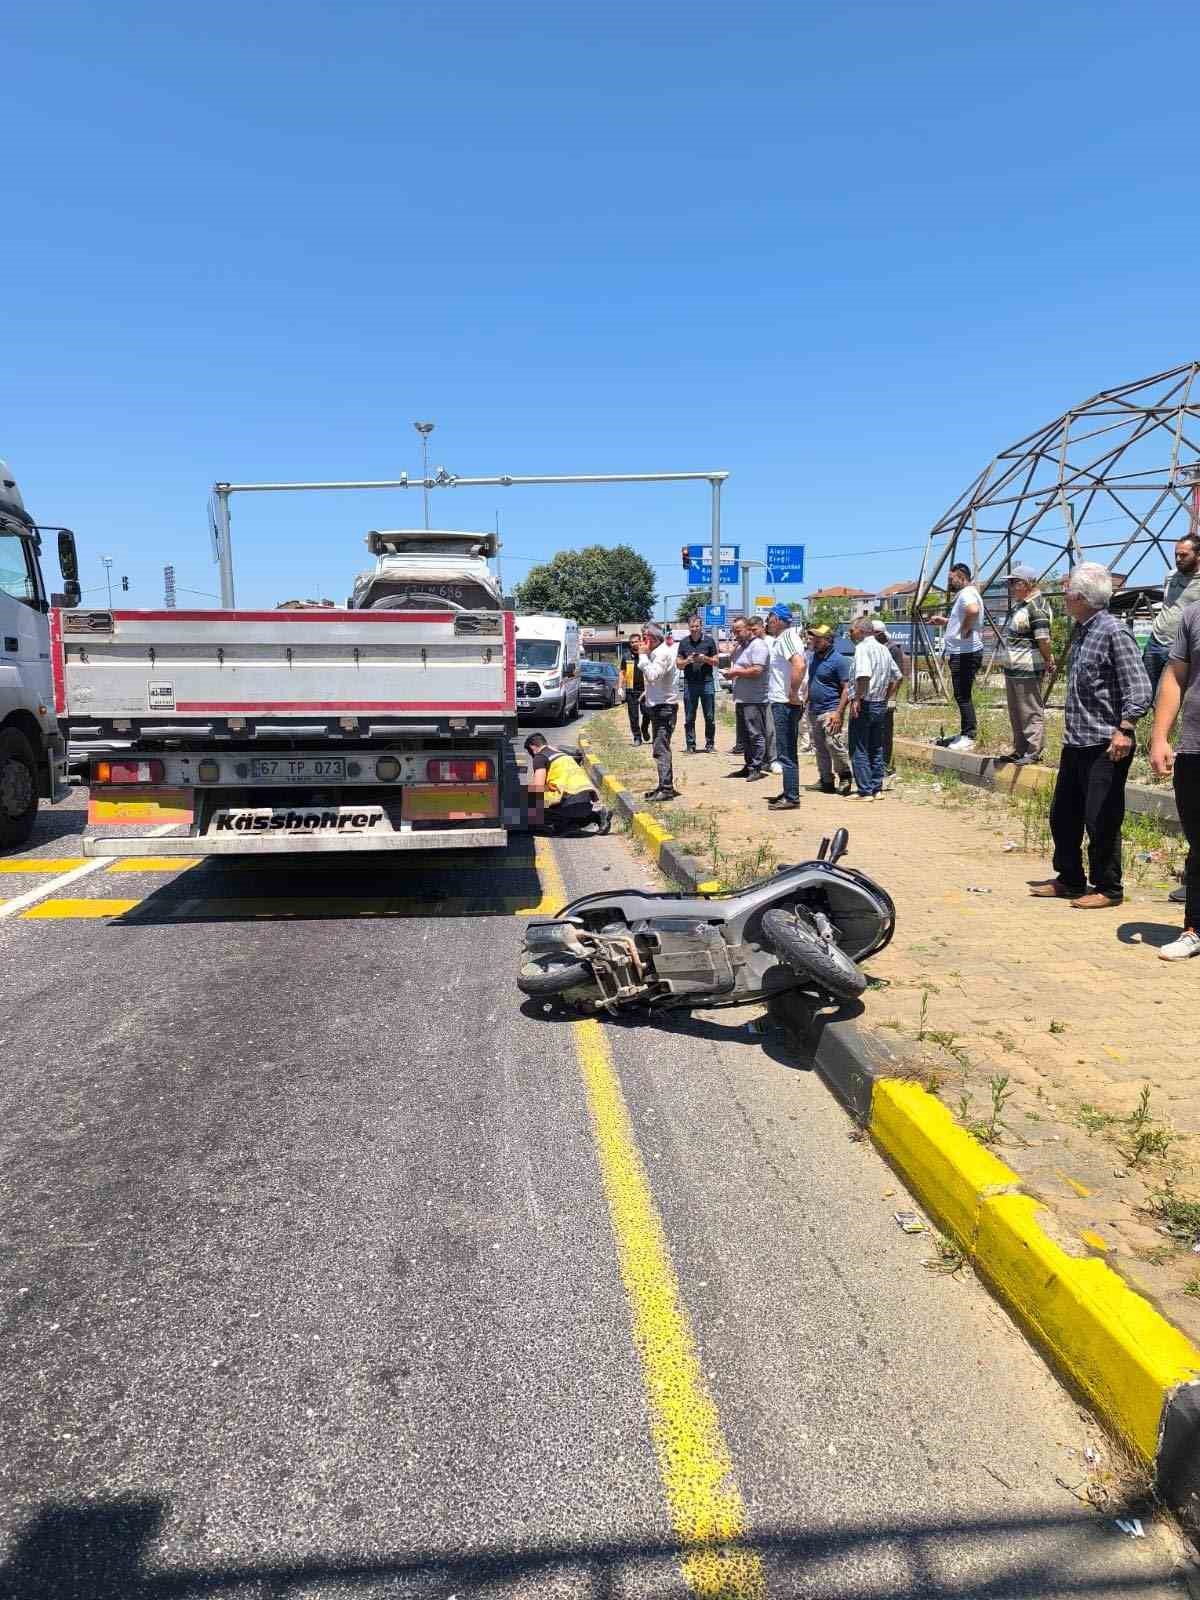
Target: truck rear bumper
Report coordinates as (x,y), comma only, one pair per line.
(300,844)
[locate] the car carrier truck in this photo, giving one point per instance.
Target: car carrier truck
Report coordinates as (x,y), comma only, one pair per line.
(384,725)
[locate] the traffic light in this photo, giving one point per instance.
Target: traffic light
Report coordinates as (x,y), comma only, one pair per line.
(686,556)
(125,584)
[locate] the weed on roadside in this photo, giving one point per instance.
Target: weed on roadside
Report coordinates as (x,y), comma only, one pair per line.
(947,1258)
(1192,1286)
(1180,1218)
(1145,1139)
(1093,1119)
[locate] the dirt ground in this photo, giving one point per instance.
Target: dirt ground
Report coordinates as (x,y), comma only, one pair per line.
(1054,1034)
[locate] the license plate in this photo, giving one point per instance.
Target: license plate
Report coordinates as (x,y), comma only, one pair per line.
(299,769)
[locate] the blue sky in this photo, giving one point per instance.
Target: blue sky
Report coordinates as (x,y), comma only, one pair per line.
(846,253)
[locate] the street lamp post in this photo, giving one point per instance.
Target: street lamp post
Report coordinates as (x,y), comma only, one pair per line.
(108,561)
(425,429)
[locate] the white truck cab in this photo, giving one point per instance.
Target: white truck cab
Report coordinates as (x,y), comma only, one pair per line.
(548,667)
(33,755)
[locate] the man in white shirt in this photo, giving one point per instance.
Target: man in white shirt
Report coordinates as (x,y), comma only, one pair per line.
(964,649)
(786,676)
(876,678)
(661,699)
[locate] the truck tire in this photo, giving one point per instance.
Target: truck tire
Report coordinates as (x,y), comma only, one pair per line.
(18,789)
(554,974)
(796,941)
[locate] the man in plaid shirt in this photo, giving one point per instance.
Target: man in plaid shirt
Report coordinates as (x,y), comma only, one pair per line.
(1107,691)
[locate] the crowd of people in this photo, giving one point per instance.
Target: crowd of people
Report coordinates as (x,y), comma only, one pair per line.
(797,687)
(806,687)
(793,688)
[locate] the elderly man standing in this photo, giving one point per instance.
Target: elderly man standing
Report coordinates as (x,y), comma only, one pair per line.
(657,661)
(1107,692)
(1028,660)
(785,701)
(876,679)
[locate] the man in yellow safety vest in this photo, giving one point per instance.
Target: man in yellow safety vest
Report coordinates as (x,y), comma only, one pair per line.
(560,791)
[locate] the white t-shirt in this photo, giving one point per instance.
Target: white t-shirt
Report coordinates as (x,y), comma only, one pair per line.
(959,643)
(784,646)
(873,661)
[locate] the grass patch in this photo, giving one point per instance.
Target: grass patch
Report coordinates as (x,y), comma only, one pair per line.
(1179,1216)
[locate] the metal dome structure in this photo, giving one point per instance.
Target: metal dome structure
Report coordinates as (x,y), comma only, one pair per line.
(1114,480)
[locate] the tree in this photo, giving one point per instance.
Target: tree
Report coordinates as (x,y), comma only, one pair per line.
(690,605)
(830,612)
(595,585)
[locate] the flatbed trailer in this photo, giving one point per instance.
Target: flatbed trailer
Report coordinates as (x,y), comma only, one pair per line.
(273,732)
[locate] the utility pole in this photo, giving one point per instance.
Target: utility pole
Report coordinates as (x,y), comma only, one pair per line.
(425,429)
(499,579)
(108,561)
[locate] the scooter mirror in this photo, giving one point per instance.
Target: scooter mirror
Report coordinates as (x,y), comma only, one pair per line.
(841,843)
(824,850)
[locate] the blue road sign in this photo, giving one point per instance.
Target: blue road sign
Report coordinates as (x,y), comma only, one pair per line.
(700,571)
(714,616)
(785,563)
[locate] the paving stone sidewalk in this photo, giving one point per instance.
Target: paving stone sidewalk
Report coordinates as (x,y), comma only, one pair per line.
(983,983)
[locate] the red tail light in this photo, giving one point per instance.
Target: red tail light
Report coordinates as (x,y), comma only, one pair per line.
(459,771)
(129,772)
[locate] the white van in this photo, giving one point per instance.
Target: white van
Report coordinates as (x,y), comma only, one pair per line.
(548,667)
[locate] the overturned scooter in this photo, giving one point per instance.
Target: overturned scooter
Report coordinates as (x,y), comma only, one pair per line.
(806,927)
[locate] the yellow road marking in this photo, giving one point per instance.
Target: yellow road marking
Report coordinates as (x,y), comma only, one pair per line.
(153,863)
(693,1458)
(284,907)
(61,910)
(43,864)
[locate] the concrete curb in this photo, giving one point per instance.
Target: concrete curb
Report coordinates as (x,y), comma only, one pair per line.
(983,773)
(1138,1373)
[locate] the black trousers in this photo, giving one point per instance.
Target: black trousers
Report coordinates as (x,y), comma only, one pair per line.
(1089,797)
(639,716)
(963,670)
(754,726)
(662,720)
(1187,800)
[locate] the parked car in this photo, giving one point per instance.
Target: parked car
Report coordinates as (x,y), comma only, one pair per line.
(599,683)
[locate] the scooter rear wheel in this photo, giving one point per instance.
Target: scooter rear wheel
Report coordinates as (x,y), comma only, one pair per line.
(555,972)
(796,941)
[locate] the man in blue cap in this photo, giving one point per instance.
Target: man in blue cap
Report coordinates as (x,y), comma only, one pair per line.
(786,684)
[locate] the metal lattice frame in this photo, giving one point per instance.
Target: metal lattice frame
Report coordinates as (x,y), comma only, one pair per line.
(1114,480)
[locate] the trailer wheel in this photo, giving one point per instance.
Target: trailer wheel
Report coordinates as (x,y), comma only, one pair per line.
(18,789)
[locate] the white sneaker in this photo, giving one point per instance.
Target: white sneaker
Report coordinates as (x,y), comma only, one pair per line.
(776,766)
(1187,944)
(961,743)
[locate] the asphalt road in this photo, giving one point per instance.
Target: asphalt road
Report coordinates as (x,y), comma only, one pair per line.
(329,1270)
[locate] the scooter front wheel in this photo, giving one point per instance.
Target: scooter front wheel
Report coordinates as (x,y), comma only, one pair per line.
(796,941)
(554,973)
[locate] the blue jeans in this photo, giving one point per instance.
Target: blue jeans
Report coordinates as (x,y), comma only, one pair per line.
(1154,658)
(699,694)
(787,736)
(866,746)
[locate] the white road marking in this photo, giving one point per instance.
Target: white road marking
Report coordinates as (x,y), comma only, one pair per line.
(12,908)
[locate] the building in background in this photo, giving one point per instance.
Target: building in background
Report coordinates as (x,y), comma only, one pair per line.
(894,602)
(840,601)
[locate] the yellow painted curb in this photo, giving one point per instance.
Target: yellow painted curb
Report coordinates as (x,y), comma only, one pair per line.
(1119,1351)
(950,1172)
(1109,1341)
(650,833)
